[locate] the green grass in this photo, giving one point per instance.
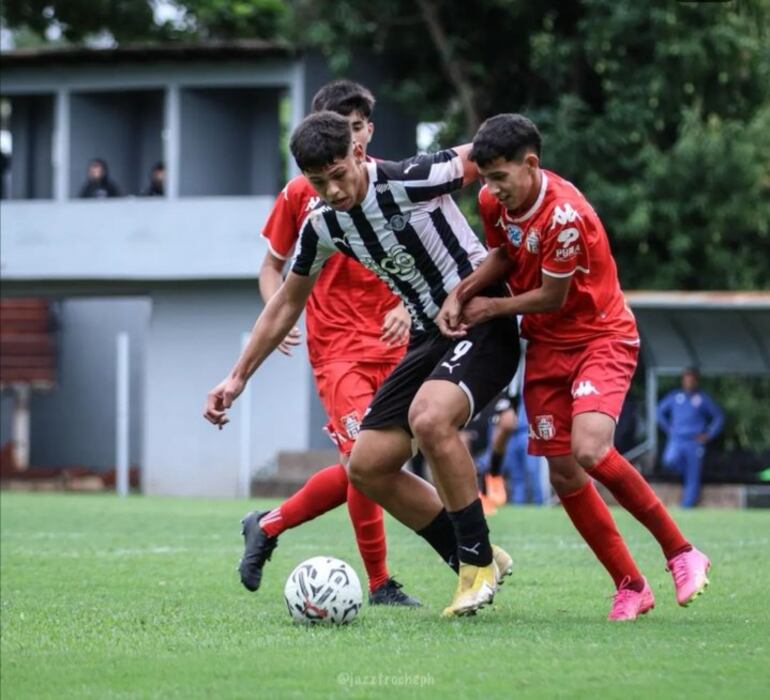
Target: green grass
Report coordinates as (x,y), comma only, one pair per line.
(139,598)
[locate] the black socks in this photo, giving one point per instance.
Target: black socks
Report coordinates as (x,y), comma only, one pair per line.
(472,534)
(440,534)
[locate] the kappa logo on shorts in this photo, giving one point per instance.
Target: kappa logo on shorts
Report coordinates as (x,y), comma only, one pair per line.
(352,424)
(545,428)
(585,388)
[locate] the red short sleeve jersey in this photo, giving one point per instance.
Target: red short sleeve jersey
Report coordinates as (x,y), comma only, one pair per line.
(346,309)
(561,236)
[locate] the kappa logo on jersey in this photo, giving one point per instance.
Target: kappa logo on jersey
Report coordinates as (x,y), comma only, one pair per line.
(514,234)
(352,425)
(564,216)
(533,242)
(398,263)
(544,427)
(585,388)
(398,222)
(382,187)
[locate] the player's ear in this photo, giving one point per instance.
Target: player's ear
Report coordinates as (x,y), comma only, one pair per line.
(370,129)
(532,160)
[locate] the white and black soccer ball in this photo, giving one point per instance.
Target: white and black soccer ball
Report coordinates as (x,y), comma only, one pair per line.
(323,590)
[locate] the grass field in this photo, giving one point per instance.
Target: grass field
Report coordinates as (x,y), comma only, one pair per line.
(139,598)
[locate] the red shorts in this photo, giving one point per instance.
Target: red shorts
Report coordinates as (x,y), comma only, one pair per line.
(346,389)
(560,383)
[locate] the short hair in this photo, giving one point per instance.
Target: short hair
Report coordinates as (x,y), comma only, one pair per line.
(319,139)
(691,370)
(507,136)
(344,97)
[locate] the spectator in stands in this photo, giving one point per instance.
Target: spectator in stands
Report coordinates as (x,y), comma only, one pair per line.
(157,186)
(691,419)
(98,185)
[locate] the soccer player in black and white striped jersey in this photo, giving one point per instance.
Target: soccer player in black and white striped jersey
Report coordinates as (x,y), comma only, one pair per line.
(399,220)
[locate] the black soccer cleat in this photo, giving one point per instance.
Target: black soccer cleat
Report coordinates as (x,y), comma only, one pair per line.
(390,593)
(258,547)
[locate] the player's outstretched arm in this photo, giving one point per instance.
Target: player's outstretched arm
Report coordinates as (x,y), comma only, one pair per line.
(270,281)
(280,314)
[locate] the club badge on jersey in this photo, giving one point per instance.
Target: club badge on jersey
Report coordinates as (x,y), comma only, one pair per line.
(514,234)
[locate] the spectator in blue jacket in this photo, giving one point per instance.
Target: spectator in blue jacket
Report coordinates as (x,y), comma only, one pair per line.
(691,419)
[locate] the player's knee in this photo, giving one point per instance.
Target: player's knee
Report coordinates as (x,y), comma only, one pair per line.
(429,424)
(589,451)
(564,483)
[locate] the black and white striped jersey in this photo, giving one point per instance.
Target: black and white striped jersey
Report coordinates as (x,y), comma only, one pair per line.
(407,230)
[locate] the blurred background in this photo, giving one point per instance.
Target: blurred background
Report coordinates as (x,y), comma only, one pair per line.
(143,142)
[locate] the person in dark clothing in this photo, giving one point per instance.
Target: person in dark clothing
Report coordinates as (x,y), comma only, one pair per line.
(98,185)
(157,186)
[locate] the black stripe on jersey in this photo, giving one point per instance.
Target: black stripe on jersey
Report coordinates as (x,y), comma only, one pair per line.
(451,242)
(375,249)
(308,249)
(337,234)
(409,238)
(414,168)
(423,194)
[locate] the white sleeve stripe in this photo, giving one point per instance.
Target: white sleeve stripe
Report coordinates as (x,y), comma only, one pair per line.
(440,173)
(558,275)
(273,250)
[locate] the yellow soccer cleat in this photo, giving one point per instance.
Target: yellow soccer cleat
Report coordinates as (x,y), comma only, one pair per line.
(476,588)
(504,563)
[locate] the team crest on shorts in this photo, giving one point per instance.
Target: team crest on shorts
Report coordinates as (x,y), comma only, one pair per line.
(545,427)
(514,234)
(352,424)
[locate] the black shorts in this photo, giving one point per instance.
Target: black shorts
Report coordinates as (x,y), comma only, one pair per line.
(482,364)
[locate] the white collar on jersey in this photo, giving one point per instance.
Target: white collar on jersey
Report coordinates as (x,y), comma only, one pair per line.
(540,197)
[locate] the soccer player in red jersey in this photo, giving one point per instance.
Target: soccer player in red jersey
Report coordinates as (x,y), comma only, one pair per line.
(549,243)
(356,334)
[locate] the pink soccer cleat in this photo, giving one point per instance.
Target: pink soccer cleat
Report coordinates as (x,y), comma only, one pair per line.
(690,573)
(628,604)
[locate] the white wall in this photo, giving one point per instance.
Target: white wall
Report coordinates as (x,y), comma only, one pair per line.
(193,340)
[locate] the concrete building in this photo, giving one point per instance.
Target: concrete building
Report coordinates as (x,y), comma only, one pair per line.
(176,272)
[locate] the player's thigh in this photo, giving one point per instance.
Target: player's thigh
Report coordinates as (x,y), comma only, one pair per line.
(592,436)
(379,452)
(346,390)
(602,376)
(390,406)
(482,364)
(548,401)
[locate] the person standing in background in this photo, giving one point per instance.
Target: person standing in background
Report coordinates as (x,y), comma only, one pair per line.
(691,419)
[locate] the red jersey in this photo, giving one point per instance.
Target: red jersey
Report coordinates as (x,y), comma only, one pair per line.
(348,304)
(561,236)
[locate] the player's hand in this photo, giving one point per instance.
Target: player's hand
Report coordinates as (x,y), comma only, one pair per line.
(220,398)
(702,438)
(291,341)
(396,326)
(448,319)
(477,310)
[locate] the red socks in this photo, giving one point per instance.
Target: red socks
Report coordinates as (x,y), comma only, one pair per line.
(593,520)
(635,495)
(369,527)
(322,492)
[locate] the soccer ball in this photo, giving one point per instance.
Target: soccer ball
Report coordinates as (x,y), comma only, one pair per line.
(323,590)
